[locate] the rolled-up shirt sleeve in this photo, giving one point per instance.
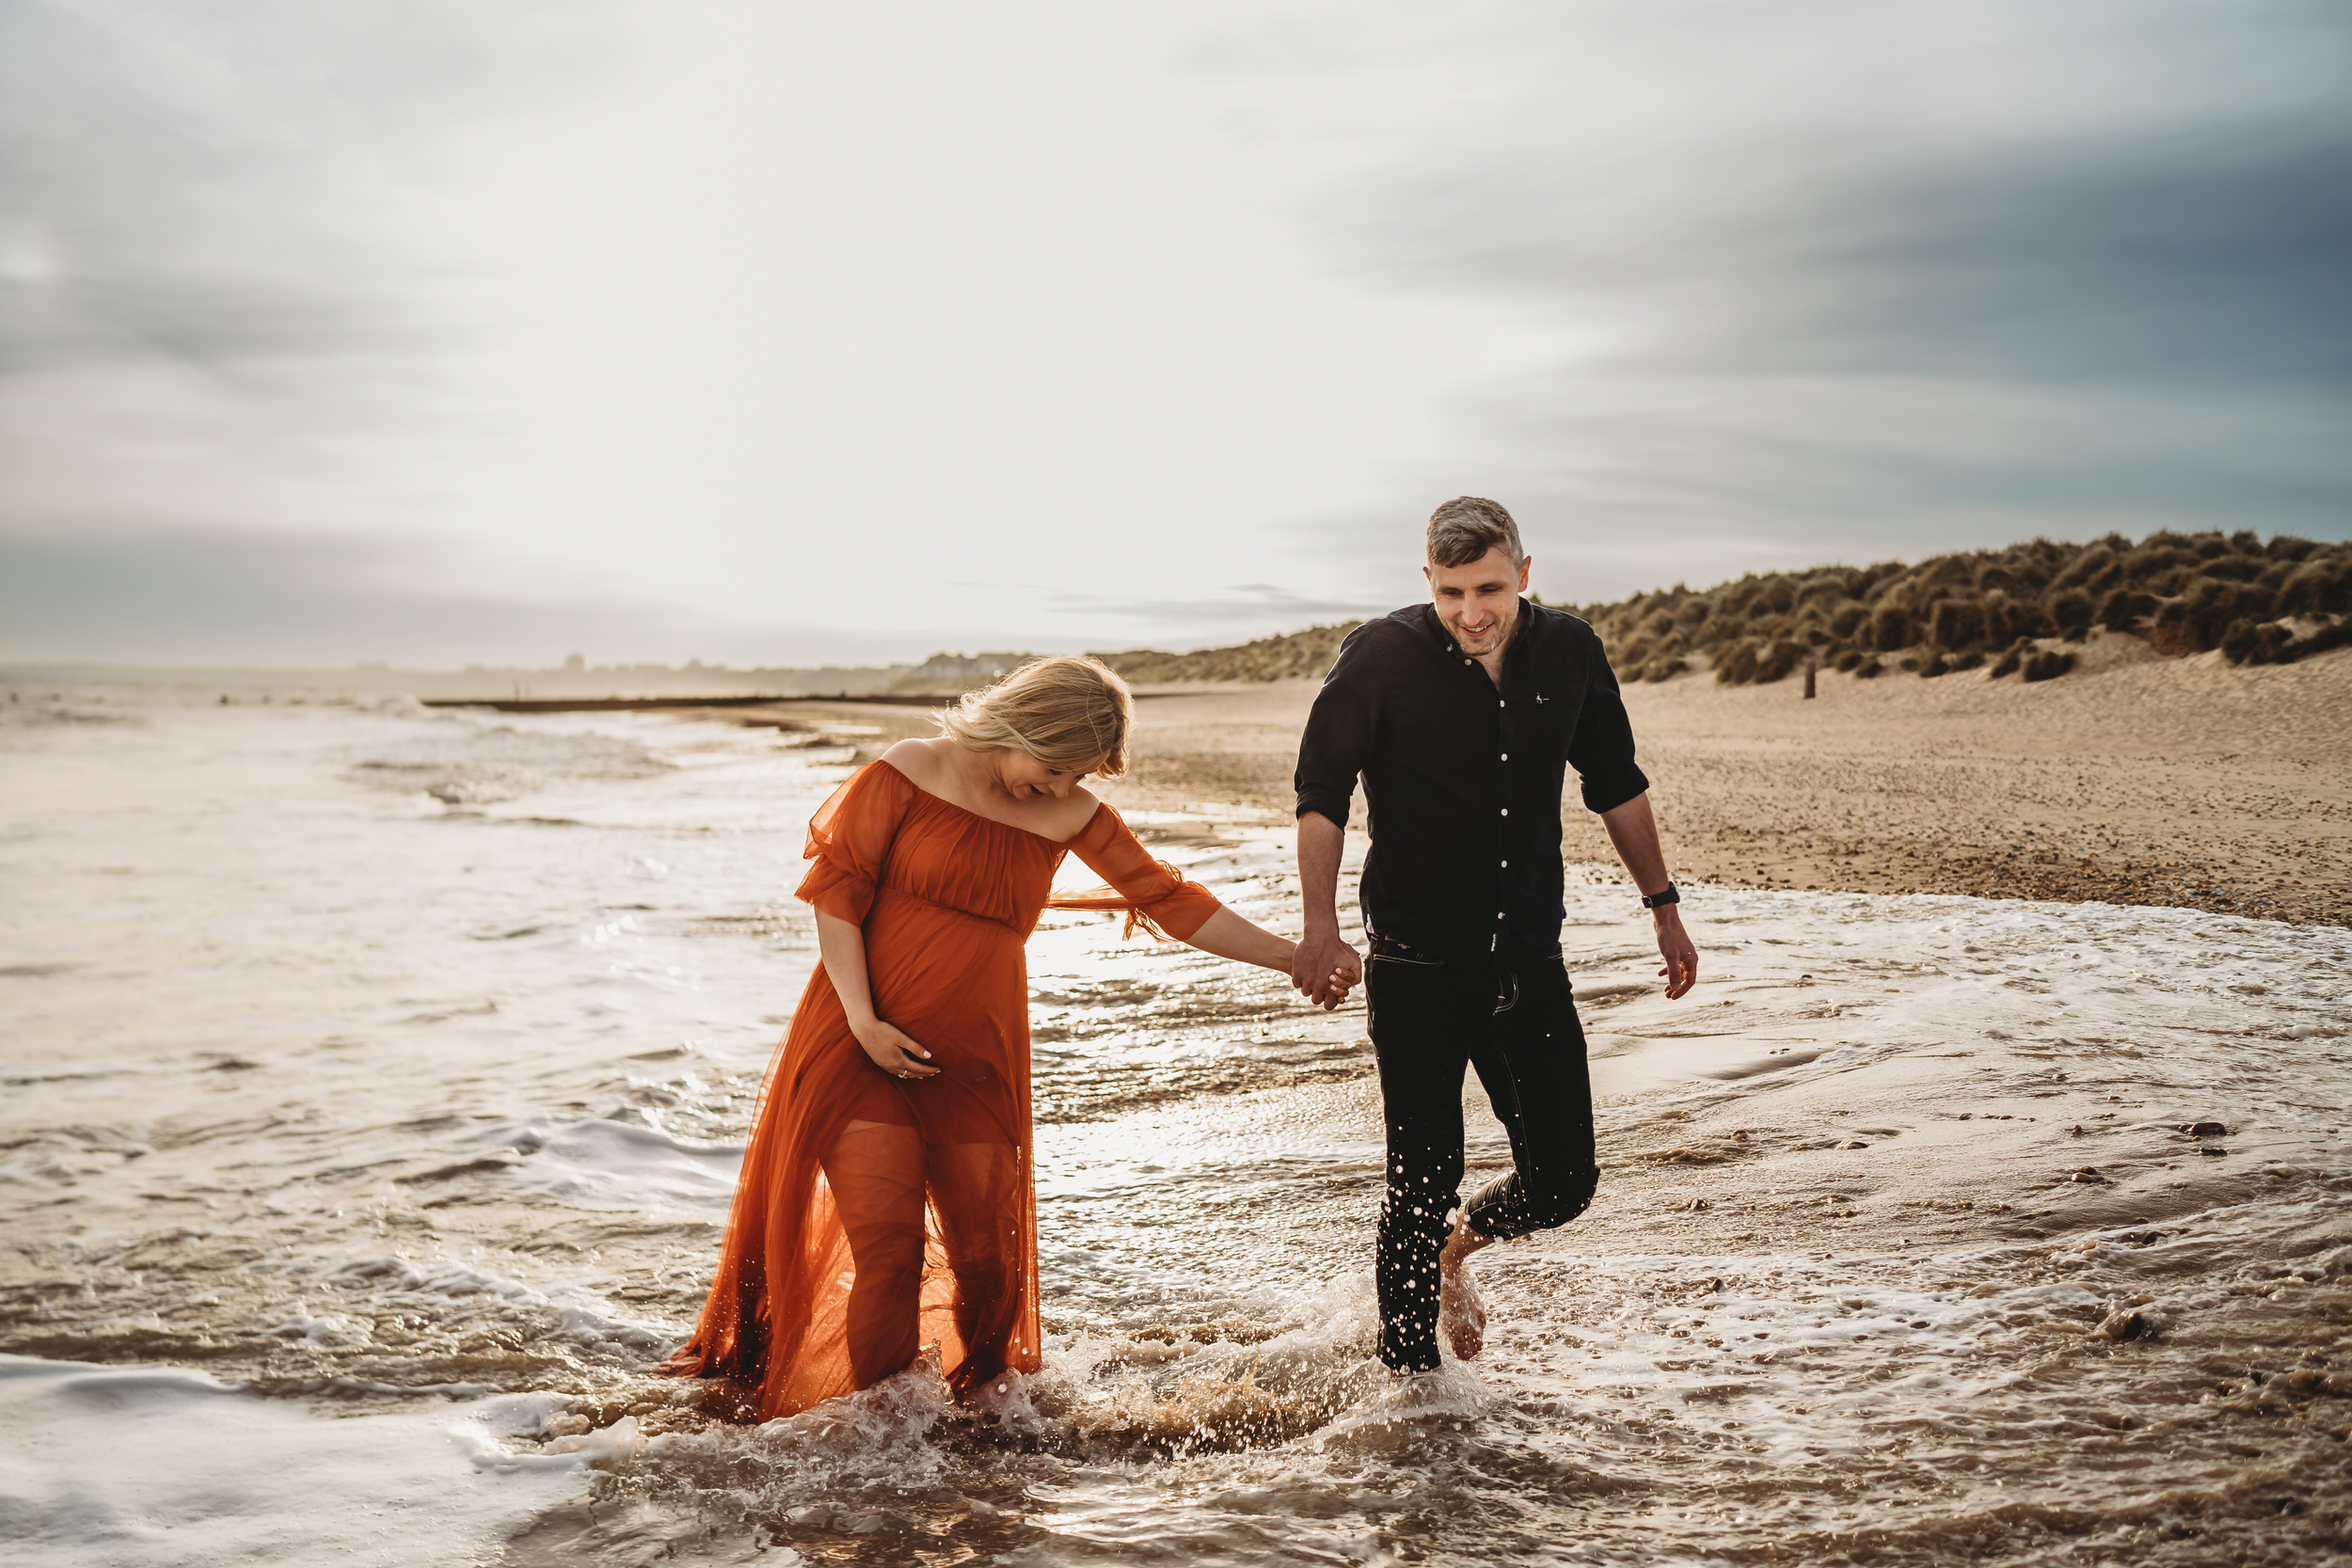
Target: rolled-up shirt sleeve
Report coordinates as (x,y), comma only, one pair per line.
(1340,732)
(1602,750)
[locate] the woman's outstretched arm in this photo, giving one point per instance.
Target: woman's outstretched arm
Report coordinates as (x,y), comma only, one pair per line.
(1229,936)
(844,948)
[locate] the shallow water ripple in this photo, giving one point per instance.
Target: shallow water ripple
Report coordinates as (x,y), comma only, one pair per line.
(396,1064)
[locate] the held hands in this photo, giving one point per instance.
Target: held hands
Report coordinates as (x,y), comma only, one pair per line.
(1323,968)
(1673,946)
(893,1050)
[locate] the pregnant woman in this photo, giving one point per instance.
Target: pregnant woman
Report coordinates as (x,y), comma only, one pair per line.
(886,1200)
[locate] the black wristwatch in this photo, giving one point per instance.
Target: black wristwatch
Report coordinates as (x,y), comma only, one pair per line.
(1671,894)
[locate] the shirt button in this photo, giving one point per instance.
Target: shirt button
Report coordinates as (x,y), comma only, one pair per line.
(1507,756)
(1506,863)
(1506,811)
(1498,914)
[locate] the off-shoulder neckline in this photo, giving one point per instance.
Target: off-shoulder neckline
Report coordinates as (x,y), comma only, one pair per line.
(1099,807)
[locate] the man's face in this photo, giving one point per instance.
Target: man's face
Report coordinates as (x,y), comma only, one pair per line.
(1479,603)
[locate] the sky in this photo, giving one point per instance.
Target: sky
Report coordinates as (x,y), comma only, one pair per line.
(770,332)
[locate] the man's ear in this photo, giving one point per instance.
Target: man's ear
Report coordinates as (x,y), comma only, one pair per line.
(1523,566)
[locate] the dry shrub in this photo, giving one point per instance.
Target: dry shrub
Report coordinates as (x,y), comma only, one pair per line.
(1777,660)
(1737,667)
(1956,622)
(2091,570)
(2048,665)
(2267,642)
(2070,613)
(2316,588)
(2202,615)
(2123,610)
(2250,643)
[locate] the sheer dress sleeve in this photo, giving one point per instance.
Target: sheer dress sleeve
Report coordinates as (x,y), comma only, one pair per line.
(849,838)
(1155,895)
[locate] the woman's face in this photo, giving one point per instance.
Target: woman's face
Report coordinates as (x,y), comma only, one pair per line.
(1025,778)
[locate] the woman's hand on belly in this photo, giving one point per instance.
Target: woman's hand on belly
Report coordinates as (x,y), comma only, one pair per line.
(893,1050)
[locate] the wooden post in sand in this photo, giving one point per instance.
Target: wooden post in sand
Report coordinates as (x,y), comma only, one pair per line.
(1811,664)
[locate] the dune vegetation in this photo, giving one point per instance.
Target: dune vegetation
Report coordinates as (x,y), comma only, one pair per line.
(1292,655)
(2259,602)
(2016,608)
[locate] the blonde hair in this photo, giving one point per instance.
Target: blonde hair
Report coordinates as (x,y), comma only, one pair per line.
(1065,710)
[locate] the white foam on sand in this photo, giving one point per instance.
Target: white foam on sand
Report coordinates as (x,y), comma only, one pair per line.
(118,1466)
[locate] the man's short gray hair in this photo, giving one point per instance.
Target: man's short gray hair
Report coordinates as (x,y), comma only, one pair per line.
(1466,527)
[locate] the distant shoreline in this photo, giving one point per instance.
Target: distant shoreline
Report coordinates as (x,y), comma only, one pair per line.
(2184,781)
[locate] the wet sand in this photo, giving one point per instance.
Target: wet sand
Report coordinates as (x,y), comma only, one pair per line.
(2134,781)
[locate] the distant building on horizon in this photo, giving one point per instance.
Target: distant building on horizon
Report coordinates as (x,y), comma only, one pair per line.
(960,667)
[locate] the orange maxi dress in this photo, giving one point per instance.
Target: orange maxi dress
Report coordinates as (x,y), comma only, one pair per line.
(862,1192)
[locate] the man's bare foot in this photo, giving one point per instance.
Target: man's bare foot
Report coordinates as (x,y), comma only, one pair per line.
(1461,1311)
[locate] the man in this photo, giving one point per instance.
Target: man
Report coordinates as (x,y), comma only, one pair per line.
(1461,717)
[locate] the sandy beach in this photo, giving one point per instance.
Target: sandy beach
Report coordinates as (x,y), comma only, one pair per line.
(2134,780)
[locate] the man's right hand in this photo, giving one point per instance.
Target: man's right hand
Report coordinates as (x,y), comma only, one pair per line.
(1324,968)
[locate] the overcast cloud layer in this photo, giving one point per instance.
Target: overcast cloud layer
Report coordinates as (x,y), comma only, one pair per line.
(438,332)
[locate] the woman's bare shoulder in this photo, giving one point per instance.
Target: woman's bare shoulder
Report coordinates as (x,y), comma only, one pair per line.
(1077,813)
(917,759)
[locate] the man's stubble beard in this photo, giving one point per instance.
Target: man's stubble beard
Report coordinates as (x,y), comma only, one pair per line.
(1495,640)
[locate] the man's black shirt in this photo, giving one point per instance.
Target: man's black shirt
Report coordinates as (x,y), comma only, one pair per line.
(1462,782)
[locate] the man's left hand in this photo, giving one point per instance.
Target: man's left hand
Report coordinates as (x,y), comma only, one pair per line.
(1673,946)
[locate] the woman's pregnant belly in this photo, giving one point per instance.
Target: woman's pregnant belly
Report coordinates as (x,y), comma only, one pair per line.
(957,983)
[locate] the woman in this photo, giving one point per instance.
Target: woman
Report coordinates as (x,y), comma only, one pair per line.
(886,1200)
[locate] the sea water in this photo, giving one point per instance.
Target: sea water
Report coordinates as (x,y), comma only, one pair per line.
(376,1077)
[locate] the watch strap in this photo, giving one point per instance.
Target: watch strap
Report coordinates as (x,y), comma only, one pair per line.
(1669,894)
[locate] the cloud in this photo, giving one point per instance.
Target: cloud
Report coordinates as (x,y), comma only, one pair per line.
(1853,279)
(567,324)
(2115,258)
(1245,605)
(187,596)
(235,185)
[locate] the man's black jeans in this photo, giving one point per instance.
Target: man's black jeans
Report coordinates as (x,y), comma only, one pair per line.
(1519,1028)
